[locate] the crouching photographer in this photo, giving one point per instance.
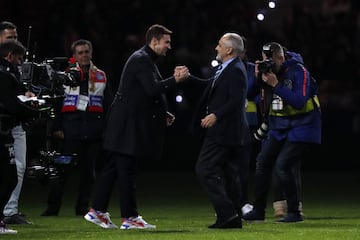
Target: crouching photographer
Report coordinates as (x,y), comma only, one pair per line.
(12,112)
(294,125)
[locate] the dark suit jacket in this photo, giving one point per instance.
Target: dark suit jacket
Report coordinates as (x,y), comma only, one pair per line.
(227,101)
(136,120)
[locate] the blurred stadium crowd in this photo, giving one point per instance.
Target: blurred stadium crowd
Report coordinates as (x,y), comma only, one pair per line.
(325,32)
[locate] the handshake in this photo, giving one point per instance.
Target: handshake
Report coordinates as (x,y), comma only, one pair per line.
(181,73)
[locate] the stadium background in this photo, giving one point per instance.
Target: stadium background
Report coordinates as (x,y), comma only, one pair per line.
(325,32)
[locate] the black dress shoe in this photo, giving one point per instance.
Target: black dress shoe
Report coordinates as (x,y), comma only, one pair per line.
(291,218)
(254,216)
(232,222)
(21,214)
(16,219)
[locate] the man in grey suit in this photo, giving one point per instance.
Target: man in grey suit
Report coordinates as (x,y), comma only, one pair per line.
(135,127)
(226,132)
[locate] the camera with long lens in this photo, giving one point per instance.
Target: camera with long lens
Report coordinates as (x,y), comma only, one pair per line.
(50,165)
(261,133)
(49,77)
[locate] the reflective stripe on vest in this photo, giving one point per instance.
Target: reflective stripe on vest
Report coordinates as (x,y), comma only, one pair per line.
(251,106)
(290,111)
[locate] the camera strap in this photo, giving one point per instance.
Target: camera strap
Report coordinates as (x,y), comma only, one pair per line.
(266,95)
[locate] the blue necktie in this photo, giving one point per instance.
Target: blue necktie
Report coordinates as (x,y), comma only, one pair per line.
(216,75)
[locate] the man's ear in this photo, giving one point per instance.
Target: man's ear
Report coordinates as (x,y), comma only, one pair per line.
(9,56)
(283,58)
(230,50)
(154,41)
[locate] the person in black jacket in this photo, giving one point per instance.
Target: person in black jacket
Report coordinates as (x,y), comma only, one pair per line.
(8,31)
(79,125)
(226,132)
(135,128)
(12,111)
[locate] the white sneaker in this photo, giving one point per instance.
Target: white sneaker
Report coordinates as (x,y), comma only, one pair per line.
(135,223)
(99,218)
(6,230)
(246,208)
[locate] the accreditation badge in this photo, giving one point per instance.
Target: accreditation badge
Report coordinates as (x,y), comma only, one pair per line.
(82,103)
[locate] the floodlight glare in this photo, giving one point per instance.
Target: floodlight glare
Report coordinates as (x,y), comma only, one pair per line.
(260,16)
(272,4)
(214,63)
(179,98)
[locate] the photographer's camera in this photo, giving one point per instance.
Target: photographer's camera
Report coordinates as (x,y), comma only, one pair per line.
(266,66)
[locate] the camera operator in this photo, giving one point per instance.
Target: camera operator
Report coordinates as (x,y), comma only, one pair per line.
(8,31)
(12,111)
(294,122)
(79,125)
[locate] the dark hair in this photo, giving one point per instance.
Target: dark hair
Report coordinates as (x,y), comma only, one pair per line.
(11,46)
(80,42)
(156,31)
(7,25)
(272,48)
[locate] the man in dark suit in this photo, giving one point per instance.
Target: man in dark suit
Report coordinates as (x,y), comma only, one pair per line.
(226,132)
(135,127)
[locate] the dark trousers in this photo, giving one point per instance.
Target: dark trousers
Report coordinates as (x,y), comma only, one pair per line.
(281,156)
(218,169)
(122,168)
(88,152)
(8,173)
(279,194)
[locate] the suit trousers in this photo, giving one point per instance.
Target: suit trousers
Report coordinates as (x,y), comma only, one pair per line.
(122,168)
(218,169)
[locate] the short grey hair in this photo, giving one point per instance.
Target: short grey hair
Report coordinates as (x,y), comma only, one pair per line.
(234,41)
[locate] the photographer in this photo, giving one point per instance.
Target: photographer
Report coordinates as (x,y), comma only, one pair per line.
(12,111)
(79,125)
(294,123)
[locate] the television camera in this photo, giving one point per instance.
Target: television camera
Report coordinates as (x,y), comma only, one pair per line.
(50,165)
(49,77)
(47,80)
